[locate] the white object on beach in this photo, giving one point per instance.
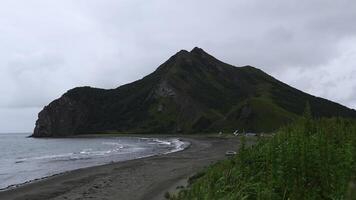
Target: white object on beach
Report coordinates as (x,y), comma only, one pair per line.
(230,153)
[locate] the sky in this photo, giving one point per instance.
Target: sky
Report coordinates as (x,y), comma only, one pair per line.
(50,46)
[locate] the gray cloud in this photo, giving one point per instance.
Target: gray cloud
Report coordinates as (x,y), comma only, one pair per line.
(49,47)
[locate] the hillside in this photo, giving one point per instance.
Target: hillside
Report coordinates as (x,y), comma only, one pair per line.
(192,92)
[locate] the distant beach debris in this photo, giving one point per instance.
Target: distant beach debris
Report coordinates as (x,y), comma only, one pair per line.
(236,132)
(230,153)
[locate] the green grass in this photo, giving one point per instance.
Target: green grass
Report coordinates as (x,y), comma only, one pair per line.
(310,159)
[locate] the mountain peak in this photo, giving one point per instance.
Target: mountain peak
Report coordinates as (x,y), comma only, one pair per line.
(197,49)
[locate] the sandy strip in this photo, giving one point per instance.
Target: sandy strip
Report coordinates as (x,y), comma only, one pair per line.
(141,179)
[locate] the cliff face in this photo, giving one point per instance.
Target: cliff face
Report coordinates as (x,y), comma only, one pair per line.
(62,117)
(191,92)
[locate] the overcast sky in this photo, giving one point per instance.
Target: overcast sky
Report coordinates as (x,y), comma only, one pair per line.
(50,46)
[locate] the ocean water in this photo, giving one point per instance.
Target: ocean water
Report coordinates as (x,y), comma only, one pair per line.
(24,159)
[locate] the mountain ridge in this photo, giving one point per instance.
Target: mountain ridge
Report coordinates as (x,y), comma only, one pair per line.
(191,92)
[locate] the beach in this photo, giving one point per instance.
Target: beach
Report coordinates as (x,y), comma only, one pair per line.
(140,179)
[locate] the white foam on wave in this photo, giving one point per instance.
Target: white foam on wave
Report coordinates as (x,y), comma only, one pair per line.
(164,142)
(179,145)
(82,154)
(174,144)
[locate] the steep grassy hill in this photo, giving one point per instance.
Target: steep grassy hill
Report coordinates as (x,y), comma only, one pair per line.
(191,92)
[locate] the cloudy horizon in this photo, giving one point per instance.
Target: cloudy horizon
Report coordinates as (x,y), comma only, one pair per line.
(49,47)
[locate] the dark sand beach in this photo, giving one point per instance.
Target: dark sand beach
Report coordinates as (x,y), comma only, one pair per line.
(141,179)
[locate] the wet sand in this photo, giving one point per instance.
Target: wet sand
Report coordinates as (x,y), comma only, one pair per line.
(142,179)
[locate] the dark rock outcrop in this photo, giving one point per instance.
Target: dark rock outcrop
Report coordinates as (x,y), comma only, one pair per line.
(191,92)
(62,117)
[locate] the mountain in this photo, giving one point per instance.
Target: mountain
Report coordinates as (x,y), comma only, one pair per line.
(192,92)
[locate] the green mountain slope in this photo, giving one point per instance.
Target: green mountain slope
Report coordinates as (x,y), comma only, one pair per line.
(191,92)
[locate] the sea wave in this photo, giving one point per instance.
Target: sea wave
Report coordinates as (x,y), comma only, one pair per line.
(172,145)
(178,145)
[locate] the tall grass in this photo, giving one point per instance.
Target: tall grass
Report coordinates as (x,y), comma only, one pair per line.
(310,159)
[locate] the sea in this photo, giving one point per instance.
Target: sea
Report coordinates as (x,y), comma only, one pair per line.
(23,159)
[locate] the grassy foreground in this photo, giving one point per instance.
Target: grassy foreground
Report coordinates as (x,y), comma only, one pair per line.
(311,159)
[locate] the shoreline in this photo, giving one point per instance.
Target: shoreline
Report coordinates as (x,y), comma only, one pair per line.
(131,179)
(186,144)
(14,186)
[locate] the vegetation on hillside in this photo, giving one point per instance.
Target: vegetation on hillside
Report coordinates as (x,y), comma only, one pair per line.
(310,159)
(192,92)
